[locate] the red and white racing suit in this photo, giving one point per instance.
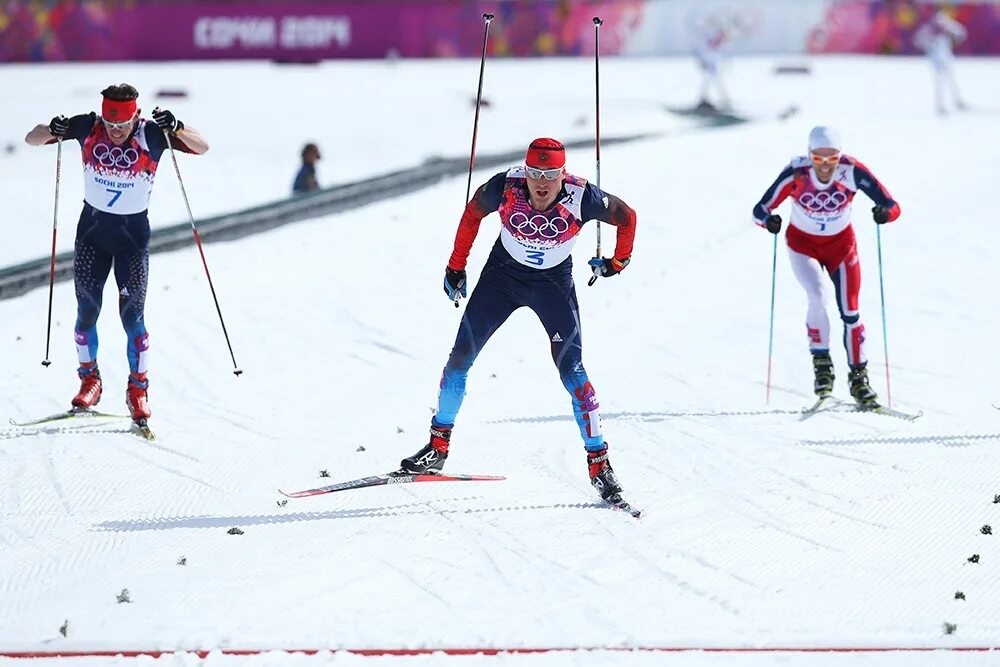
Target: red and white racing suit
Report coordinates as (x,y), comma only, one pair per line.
(820,236)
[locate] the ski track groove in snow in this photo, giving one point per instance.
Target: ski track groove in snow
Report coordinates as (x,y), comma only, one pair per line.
(775,523)
(945,440)
(131,451)
(837,455)
(57,487)
(674,579)
(844,515)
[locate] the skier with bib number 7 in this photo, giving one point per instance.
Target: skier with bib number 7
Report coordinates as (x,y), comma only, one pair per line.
(120,152)
(542,211)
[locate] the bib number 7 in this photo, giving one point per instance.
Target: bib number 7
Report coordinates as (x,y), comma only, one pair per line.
(115,194)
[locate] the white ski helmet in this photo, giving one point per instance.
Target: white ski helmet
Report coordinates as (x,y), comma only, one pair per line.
(824,137)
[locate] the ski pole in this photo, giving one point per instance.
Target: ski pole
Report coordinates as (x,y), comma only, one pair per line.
(770,335)
(487,18)
(597,142)
(885,335)
(52,261)
(204,262)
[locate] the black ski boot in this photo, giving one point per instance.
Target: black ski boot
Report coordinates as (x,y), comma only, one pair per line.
(823,368)
(431,457)
(862,392)
(602,476)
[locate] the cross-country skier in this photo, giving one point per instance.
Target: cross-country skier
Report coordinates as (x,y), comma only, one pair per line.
(820,238)
(542,211)
(937,38)
(710,42)
(120,151)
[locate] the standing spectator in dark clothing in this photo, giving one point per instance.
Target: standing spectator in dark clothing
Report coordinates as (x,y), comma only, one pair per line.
(305,180)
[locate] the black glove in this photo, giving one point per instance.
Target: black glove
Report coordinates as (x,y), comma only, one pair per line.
(454,283)
(773,223)
(59,126)
(166,121)
(608,266)
(880,214)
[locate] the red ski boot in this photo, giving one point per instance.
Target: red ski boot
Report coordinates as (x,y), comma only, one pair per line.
(602,476)
(90,387)
(136,399)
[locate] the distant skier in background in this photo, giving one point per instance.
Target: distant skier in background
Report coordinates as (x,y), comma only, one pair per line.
(821,238)
(937,38)
(305,179)
(120,152)
(542,211)
(710,41)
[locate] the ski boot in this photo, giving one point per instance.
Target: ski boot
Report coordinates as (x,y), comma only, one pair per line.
(602,476)
(862,392)
(136,398)
(431,457)
(823,368)
(91,387)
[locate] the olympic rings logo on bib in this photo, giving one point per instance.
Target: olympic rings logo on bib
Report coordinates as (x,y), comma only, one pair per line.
(115,156)
(538,225)
(823,201)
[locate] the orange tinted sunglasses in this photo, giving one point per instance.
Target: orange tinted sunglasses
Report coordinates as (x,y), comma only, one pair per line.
(825,159)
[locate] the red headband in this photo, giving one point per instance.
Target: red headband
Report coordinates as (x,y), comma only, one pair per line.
(118,112)
(546,154)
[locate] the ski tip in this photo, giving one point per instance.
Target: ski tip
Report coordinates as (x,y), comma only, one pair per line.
(302,494)
(631,511)
(616,502)
(141,428)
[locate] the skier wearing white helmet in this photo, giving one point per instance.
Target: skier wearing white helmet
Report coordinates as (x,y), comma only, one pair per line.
(820,238)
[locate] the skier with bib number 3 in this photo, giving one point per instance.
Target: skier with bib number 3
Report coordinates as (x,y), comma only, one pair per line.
(542,211)
(120,152)
(821,239)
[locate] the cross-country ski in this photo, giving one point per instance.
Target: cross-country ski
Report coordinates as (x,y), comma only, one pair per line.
(833,404)
(82,414)
(390,478)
